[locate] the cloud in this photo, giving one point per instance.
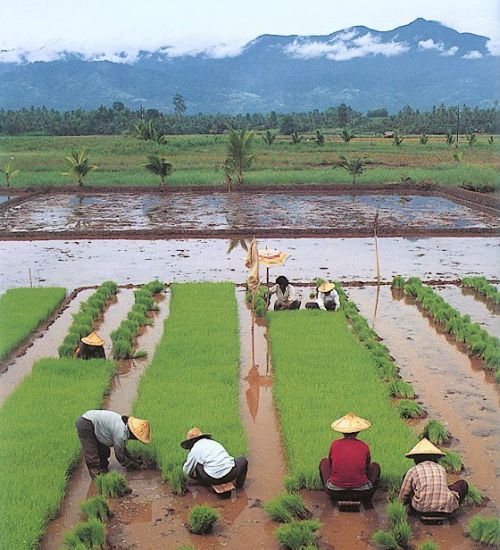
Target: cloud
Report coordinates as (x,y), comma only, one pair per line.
(473,54)
(214,51)
(429,44)
(345,46)
(493,46)
(450,52)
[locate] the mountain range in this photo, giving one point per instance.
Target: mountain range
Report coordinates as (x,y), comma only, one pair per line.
(420,64)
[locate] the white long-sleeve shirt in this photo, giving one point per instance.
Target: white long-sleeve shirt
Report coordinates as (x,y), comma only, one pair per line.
(290,295)
(110,430)
(320,300)
(212,456)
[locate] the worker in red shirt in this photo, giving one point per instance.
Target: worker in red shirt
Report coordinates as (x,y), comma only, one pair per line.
(348,473)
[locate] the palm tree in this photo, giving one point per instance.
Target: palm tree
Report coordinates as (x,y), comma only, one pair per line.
(239,152)
(79,166)
(296,138)
(355,166)
(491,140)
(424,138)
(8,171)
(471,139)
(269,138)
(449,137)
(398,138)
(147,131)
(159,166)
(346,135)
(320,138)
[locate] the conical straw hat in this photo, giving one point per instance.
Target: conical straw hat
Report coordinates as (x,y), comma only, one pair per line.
(93,339)
(424,447)
(326,287)
(192,437)
(350,423)
(140,428)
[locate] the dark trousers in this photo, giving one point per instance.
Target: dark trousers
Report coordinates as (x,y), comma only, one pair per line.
(329,306)
(95,453)
(373,474)
(238,474)
(281,306)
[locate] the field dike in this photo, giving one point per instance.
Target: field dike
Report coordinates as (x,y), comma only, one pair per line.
(452,387)
(121,394)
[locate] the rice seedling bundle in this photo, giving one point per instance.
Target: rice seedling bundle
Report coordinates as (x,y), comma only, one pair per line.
(193,378)
(400,533)
(202,519)
(112,484)
(90,535)
(474,496)
(22,310)
(96,508)
(286,507)
(83,321)
(319,379)
(485,530)
(428,545)
(436,432)
(298,534)
(40,444)
(483,288)
(451,462)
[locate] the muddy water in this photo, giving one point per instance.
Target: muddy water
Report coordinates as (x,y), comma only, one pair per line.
(467,304)
(44,346)
(79,263)
(120,399)
(223,211)
(114,315)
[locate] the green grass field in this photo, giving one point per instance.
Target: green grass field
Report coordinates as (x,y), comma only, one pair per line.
(321,373)
(22,310)
(193,379)
(39,444)
(197,159)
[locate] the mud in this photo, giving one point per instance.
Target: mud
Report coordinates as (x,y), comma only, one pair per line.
(45,345)
(183,214)
(120,399)
(78,263)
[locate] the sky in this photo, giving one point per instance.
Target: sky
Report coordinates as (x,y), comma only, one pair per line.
(218,27)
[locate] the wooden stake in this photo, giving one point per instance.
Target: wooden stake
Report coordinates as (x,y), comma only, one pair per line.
(377,264)
(31,280)
(253,329)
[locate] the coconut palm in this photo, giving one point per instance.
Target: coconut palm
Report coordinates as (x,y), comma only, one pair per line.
(491,140)
(449,137)
(79,166)
(397,138)
(424,138)
(159,166)
(239,152)
(320,138)
(8,171)
(296,138)
(471,139)
(147,131)
(269,138)
(355,166)
(346,135)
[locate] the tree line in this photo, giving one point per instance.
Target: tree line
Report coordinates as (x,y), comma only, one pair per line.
(119,119)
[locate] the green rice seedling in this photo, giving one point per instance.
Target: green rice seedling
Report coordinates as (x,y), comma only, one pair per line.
(292,484)
(22,310)
(482,288)
(396,512)
(436,432)
(91,534)
(178,481)
(402,533)
(202,519)
(155,286)
(409,409)
(474,496)
(286,507)
(187,547)
(212,359)
(297,534)
(485,530)
(385,540)
(400,388)
(33,473)
(387,369)
(140,354)
(451,462)
(428,545)
(96,508)
(398,282)
(112,484)
(122,349)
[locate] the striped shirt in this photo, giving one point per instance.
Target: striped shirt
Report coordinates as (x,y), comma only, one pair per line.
(425,487)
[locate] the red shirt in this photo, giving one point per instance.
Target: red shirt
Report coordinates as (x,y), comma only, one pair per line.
(349,461)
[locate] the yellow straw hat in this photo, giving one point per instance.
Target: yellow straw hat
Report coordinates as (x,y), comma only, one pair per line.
(350,423)
(93,339)
(192,437)
(326,287)
(140,428)
(424,447)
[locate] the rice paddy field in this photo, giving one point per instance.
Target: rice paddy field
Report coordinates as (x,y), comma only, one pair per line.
(197,160)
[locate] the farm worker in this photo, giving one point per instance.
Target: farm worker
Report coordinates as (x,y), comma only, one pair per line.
(91,347)
(425,488)
(327,298)
(348,473)
(100,430)
(209,462)
(287,296)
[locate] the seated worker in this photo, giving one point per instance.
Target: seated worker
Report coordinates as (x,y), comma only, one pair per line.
(287,296)
(348,473)
(425,488)
(327,298)
(91,347)
(210,463)
(99,430)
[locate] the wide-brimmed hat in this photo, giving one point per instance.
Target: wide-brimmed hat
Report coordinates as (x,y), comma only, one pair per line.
(140,428)
(93,339)
(192,437)
(326,287)
(424,447)
(350,423)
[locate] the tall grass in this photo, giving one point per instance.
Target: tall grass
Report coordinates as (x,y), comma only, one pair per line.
(193,378)
(319,379)
(39,445)
(22,310)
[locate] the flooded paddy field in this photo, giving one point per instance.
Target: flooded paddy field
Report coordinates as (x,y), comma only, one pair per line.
(306,213)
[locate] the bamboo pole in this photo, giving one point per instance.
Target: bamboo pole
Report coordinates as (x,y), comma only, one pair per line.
(253,329)
(377,266)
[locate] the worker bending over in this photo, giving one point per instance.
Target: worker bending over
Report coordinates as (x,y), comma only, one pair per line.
(327,298)
(91,347)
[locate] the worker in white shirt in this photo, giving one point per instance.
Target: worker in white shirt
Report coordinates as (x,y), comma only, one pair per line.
(327,298)
(287,296)
(210,463)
